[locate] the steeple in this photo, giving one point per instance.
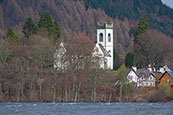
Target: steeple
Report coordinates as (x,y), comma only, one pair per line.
(105,38)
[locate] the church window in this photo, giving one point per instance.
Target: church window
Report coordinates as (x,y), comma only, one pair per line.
(101,37)
(109,37)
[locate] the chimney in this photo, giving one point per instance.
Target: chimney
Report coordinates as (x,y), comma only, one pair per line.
(134,68)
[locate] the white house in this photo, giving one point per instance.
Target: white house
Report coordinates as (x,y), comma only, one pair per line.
(141,77)
(60,62)
(163,69)
(145,78)
(103,49)
(132,76)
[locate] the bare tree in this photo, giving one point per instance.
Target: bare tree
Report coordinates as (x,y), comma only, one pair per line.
(150,49)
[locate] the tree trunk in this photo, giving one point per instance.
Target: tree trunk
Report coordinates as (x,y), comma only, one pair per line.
(66,94)
(76,94)
(121,86)
(73,89)
(8,93)
(18,94)
(31,85)
(104,92)
(54,94)
(31,92)
(41,92)
(22,90)
(110,98)
(0,90)
(134,94)
(94,91)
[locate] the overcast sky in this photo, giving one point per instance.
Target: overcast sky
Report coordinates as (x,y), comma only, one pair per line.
(168,2)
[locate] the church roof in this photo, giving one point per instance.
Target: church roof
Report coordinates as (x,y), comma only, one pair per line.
(106,53)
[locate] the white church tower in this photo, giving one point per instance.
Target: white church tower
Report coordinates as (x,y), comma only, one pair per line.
(105,38)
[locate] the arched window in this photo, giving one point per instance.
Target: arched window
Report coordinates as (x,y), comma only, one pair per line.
(101,37)
(109,37)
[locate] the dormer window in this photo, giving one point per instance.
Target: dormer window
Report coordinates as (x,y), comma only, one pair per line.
(151,78)
(101,37)
(109,37)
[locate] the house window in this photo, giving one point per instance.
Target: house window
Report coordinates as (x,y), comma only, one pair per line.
(109,37)
(150,78)
(168,81)
(146,84)
(151,84)
(101,37)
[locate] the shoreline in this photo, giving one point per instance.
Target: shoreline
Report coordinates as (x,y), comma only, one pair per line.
(81,102)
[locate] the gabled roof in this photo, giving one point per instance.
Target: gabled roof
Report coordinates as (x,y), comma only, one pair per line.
(169,72)
(144,72)
(106,53)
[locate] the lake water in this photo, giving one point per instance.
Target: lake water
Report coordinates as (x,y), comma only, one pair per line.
(86,108)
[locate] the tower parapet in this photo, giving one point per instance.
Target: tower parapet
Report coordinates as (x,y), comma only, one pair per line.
(104,25)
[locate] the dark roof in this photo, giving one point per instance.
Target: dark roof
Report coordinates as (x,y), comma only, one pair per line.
(169,72)
(106,53)
(144,72)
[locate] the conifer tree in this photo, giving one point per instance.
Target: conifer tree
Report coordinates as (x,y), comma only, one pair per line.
(129,60)
(138,41)
(11,36)
(142,26)
(29,27)
(117,61)
(46,22)
(57,31)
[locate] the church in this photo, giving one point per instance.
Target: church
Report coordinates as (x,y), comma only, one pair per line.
(105,44)
(103,48)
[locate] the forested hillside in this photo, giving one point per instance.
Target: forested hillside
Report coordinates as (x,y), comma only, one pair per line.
(81,16)
(72,16)
(31,32)
(160,16)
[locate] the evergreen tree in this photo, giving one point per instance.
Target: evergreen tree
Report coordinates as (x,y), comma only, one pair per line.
(11,36)
(129,60)
(117,61)
(46,22)
(142,26)
(29,27)
(138,41)
(57,30)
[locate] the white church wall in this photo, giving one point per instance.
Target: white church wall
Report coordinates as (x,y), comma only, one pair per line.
(97,53)
(99,31)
